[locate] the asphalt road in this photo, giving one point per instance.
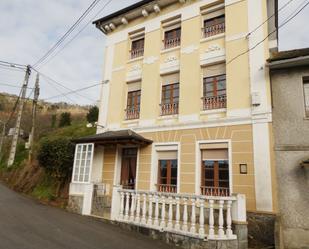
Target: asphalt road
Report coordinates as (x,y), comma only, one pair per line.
(27,224)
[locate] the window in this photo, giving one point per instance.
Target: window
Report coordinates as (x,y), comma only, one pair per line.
(82,162)
(137,48)
(215,170)
(133,104)
(170,99)
(167,176)
(214,87)
(306,96)
(172,38)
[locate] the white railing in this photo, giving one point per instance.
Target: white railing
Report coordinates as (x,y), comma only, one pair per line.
(202,217)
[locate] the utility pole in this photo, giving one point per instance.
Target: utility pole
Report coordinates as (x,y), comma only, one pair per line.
(19,114)
(34,106)
(2,137)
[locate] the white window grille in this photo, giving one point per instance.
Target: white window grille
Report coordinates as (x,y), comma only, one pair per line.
(82,162)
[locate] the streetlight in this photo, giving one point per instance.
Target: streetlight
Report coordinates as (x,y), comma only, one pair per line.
(95,124)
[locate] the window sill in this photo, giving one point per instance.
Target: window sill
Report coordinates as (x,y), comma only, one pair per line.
(130,121)
(164,51)
(166,117)
(214,37)
(135,59)
(214,111)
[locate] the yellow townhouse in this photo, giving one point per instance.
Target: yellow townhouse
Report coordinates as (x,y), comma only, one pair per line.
(184,140)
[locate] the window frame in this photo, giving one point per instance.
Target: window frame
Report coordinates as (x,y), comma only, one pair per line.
(198,161)
(79,160)
(137,101)
(136,40)
(168,176)
(215,85)
(176,31)
(305,81)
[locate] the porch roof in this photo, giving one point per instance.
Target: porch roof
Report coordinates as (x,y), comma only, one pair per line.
(123,137)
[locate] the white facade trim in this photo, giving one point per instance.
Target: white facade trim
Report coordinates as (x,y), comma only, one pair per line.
(214,54)
(262,167)
(236,37)
(261,140)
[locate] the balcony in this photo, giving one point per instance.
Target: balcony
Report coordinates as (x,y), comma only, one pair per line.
(214,102)
(169,109)
(212,30)
(185,214)
(215,191)
(136,53)
(132,113)
(167,188)
(172,42)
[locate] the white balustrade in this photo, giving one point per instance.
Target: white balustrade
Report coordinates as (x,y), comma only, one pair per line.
(210,216)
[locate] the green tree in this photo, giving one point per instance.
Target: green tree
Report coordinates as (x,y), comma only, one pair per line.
(53,120)
(65,119)
(56,156)
(93,114)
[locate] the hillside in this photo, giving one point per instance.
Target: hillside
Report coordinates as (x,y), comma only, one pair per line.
(32,178)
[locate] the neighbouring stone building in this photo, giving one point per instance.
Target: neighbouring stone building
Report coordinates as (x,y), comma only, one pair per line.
(289,72)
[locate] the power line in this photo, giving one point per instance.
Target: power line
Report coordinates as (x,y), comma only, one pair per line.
(280,26)
(71,29)
(74,91)
(48,78)
(12,64)
(81,30)
(10,85)
(270,17)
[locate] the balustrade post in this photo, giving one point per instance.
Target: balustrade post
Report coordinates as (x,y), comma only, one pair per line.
(193,218)
(163,224)
(177,224)
(211,232)
(126,216)
(229,231)
(170,213)
(185,215)
(121,205)
(221,221)
(144,209)
(150,210)
(132,207)
(156,219)
(202,228)
(138,209)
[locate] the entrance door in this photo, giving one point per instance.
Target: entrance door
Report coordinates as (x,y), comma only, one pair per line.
(128,168)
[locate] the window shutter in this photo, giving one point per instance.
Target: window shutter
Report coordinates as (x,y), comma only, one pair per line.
(214,70)
(170,79)
(215,154)
(134,86)
(167,155)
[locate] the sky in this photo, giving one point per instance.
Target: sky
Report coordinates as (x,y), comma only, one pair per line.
(29,28)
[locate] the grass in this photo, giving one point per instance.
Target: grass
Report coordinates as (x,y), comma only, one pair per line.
(45,190)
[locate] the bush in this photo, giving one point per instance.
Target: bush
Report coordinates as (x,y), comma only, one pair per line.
(56,157)
(93,114)
(65,119)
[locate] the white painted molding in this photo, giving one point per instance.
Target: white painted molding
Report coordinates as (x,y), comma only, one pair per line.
(150,60)
(214,54)
(135,73)
(147,122)
(188,118)
(117,69)
(171,65)
(189,49)
(245,112)
(236,37)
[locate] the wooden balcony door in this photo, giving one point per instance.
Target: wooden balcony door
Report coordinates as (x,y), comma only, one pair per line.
(128,168)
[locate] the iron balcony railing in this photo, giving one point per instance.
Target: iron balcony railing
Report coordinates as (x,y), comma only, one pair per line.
(213,30)
(168,188)
(214,102)
(171,42)
(169,109)
(132,113)
(136,53)
(215,191)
